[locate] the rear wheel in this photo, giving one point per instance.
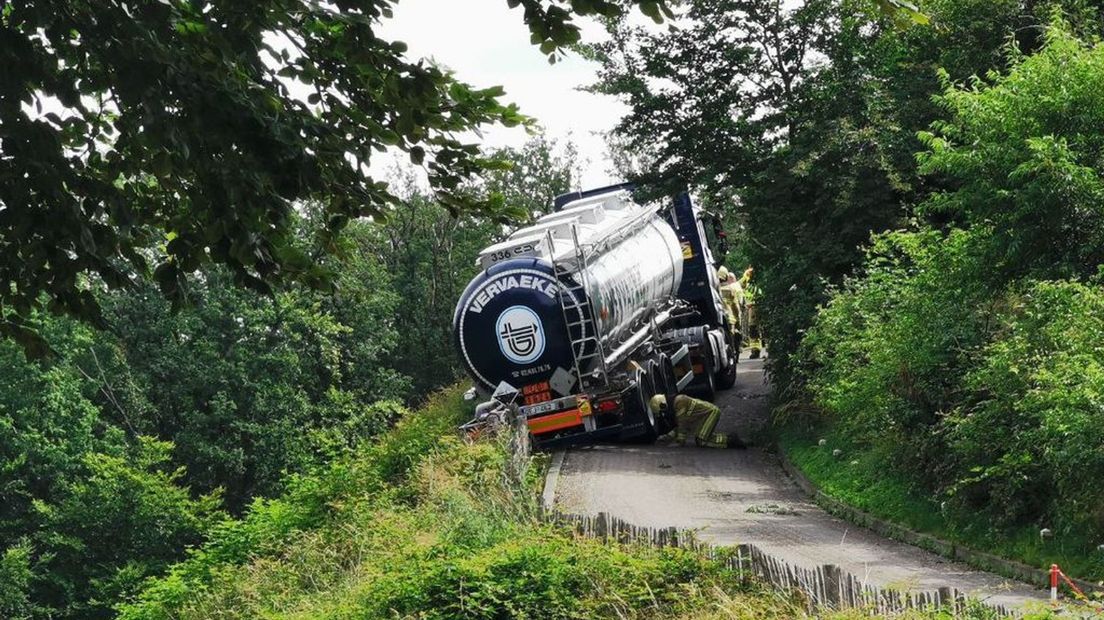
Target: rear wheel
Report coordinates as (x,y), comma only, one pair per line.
(705,384)
(670,390)
(727,378)
(645,389)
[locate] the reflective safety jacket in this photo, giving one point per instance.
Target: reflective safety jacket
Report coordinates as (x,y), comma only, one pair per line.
(691,412)
(732,295)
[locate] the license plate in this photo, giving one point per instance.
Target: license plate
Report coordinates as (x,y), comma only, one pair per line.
(533,410)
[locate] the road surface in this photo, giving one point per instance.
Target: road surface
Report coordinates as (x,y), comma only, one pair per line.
(734,496)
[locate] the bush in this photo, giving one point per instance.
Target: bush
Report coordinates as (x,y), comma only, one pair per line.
(351,485)
(425,524)
(123,519)
(999,413)
(969,362)
(1028,438)
(940,390)
(1023,155)
(15,581)
(885,355)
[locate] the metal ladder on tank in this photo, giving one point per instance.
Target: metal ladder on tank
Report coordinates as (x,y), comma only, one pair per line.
(569,297)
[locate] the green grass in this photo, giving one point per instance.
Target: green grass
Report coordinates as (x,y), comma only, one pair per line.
(861,479)
(865,478)
(425,524)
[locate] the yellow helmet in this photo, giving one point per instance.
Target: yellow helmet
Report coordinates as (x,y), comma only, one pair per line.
(723,274)
(657,402)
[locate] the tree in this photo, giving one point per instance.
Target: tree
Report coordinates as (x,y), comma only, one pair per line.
(804,117)
(964,356)
(537,172)
(120,452)
(15,582)
(239,381)
(159,137)
(124,518)
(714,95)
(1024,155)
(551,25)
(46,424)
(167,135)
(88,508)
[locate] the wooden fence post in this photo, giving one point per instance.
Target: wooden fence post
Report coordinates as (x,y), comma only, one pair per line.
(832,585)
(600,530)
(944,598)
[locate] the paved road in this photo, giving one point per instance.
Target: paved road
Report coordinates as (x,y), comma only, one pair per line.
(744,496)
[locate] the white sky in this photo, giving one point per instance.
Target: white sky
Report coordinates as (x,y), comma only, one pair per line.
(487,44)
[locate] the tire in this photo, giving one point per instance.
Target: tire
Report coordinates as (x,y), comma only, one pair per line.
(670,389)
(726,378)
(645,389)
(705,385)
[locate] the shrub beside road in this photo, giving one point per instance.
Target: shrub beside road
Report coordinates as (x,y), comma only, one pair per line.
(960,374)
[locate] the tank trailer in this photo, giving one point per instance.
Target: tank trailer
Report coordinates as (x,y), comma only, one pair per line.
(580,318)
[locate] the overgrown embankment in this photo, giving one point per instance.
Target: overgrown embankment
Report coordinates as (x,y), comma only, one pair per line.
(425,524)
(960,375)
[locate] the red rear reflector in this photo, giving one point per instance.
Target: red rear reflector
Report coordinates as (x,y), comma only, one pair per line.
(605,406)
(535,388)
(539,397)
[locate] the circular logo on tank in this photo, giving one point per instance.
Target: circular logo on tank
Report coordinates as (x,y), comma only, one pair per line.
(509,324)
(520,334)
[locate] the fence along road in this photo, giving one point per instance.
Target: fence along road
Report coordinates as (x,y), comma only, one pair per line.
(733,497)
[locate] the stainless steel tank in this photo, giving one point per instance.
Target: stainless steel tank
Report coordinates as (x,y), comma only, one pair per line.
(626,282)
(621,257)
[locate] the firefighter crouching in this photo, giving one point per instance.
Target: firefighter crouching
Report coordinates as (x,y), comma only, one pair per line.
(696,418)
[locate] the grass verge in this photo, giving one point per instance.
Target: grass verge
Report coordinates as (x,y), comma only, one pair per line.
(865,477)
(424,524)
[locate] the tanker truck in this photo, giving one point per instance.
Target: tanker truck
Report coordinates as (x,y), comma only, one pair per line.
(581,317)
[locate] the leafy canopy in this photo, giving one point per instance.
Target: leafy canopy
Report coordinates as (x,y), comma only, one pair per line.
(1024,154)
(155,137)
(966,358)
(170,134)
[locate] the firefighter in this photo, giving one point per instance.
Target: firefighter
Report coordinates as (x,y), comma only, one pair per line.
(732,297)
(698,418)
(751,292)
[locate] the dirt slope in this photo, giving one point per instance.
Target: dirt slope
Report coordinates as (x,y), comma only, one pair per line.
(744,496)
